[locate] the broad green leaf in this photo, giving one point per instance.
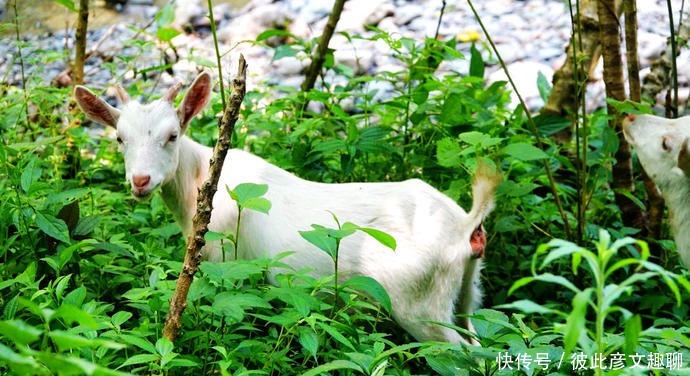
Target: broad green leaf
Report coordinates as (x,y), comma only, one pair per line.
(334,365)
(309,340)
(19,331)
(71,314)
(335,334)
(284,50)
(372,288)
(165,16)
(53,227)
(30,175)
(230,271)
(320,238)
(75,297)
(248,196)
(524,152)
(164,346)
(120,317)
(166,34)
(448,152)
(139,342)
(87,224)
(273,33)
(140,359)
(66,340)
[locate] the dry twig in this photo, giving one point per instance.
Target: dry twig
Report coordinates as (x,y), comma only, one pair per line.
(202,217)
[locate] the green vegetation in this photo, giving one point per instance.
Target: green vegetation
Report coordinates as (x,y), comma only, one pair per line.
(86,271)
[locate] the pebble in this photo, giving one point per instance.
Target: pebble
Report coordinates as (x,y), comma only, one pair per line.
(530,35)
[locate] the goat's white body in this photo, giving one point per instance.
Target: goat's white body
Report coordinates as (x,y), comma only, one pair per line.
(662,148)
(432,274)
(423,276)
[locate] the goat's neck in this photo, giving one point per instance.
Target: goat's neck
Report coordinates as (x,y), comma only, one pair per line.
(678,201)
(180,193)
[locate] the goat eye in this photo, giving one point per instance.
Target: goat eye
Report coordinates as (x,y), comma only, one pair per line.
(172,138)
(119,139)
(665,144)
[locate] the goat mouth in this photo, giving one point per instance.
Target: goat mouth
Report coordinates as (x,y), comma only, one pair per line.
(141,195)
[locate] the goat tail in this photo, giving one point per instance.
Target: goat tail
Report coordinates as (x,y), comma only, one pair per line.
(486,180)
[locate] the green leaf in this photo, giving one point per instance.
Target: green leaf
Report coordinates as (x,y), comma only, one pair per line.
(371,287)
(30,176)
(87,224)
(382,237)
(120,318)
(284,50)
(75,297)
(140,359)
(476,62)
(524,152)
(53,227)
(166,34)
(273,33)
(69,4)
(448,153)
(544,86)
(164,346)
(165,16)
(19,332)
(335,334)
(71,314)
(575,323)
(321,239)
(248,196)
(141,343)
(66,340)
(309,340)
(527,306)
(334,365)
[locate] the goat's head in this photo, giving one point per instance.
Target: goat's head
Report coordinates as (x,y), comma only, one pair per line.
(662,146)
(149,134)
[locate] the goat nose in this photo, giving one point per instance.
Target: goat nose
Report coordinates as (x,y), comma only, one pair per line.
(140,181)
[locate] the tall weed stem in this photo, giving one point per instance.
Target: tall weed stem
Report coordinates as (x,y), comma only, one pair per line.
(530,122)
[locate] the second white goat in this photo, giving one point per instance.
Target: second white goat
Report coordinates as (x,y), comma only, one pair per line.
(432,275)
(663,148)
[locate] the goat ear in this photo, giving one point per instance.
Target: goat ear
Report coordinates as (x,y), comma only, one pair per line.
(122,94)
(684,157)
(195,100)
(96,108)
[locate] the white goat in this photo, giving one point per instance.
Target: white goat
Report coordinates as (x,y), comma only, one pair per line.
(663,148)
(434,269)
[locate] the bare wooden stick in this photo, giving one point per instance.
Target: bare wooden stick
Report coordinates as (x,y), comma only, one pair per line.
(320,56)
(196,241)
(80,53)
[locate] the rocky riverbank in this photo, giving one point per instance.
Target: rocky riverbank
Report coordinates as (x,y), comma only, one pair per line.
(530,36)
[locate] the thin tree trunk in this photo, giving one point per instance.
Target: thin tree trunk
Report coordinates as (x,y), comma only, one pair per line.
(609,37)
(80,44)
(655,203)
(322,49)
(202,217)
(567,90)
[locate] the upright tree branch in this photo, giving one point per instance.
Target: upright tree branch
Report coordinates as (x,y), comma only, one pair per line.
(80,44)
(196,241)
(318,59)
(609,37)
(655,203)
